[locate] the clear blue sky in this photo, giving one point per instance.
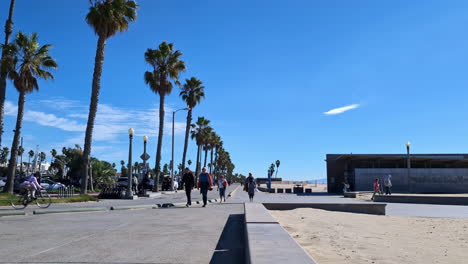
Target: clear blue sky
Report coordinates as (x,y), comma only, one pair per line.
(271,70)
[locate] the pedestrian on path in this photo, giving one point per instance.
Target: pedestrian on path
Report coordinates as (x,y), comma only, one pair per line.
(222,185)
(188,181)
(250,186)
(388,184)
(204,184)
(376,188)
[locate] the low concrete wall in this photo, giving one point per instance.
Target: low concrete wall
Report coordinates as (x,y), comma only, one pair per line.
(362,208)
(436,180)
(267,242)
(446,200)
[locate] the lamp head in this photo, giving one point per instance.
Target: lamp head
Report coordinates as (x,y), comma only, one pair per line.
(145,139)
(408,144)
(131,132)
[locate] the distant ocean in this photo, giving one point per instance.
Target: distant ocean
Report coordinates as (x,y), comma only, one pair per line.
(319,181)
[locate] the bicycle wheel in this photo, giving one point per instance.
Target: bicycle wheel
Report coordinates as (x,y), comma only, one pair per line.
(19,200)
(43,199)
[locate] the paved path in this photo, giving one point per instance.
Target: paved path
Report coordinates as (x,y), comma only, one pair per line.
(172,235)
(178,197)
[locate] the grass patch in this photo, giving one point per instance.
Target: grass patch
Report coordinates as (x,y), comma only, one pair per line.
(75,199)
(5,199)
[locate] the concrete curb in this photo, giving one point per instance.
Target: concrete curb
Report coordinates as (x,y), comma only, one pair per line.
(361,208)
(130,207)
(12,212)
(69,210)
(267,241)
(422,199)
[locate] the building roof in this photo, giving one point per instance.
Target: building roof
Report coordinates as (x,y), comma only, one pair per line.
(394,157)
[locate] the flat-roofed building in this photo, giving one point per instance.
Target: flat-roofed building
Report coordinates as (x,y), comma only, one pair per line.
(428,173)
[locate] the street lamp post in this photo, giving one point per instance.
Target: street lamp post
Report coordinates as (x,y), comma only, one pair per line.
(408,163)
(144,157)
(172,167)
(130,177)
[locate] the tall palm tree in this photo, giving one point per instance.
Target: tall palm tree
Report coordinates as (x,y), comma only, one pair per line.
(197,133)
(214,142)
(192,93)
(106,17)
(277,166)
(42,158)
(26,62)
(166,65)
(20,156)
(3,72)
(53,153)
(30,155)
(207,139)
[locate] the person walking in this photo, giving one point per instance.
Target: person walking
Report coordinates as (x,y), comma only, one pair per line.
(222,185)
(204,184)
(188,181)
(376,188)
(388,184)
(250,186)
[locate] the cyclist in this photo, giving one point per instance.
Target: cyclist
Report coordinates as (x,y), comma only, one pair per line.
(31,185)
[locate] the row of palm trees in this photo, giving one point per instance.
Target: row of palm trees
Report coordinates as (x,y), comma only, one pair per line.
(24,61)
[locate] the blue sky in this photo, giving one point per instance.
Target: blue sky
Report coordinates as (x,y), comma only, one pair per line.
(272,69)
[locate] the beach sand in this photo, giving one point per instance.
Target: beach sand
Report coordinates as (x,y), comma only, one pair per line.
(337,237)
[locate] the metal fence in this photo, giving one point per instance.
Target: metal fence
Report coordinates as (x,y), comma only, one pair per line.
(112,192)
(67,191)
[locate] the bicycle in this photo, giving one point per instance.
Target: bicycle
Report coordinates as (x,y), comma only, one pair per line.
(22,199)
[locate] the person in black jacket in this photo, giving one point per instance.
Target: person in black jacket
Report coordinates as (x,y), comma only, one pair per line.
(189,182)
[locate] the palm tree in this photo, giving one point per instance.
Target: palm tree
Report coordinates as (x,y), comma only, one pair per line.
(192,93)
(122,163)
(197,133)
(215,139)
(30,155)
(26,61)
(3,72)
(277,166)
(106,17)
(53,153)
(42,158)
(166,65)
(20,155)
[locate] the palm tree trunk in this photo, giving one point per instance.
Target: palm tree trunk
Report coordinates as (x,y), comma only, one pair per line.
(206,154)
(160,138)
(3,75)
(197,167)
(187,132)
(98,62)
(14,147)
(211,160)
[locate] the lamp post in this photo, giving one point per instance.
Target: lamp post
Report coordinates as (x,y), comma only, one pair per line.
(144,157)
(172,161)
(408,163)
(130,177)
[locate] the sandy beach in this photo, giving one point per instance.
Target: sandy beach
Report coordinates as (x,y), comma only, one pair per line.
(336,237)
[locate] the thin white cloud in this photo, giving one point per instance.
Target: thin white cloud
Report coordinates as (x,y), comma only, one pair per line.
(110,124)
(341,110)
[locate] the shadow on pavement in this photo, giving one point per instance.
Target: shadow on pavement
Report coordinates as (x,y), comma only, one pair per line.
(230,247)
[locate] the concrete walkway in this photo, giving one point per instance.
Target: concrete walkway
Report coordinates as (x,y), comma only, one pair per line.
(174,235)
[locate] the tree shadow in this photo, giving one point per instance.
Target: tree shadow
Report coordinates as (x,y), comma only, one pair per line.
(231,243)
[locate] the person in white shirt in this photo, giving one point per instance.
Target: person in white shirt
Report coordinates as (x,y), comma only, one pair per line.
(222,184)
(31,184)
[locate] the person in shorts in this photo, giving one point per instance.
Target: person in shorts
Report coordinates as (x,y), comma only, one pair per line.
(222,185)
